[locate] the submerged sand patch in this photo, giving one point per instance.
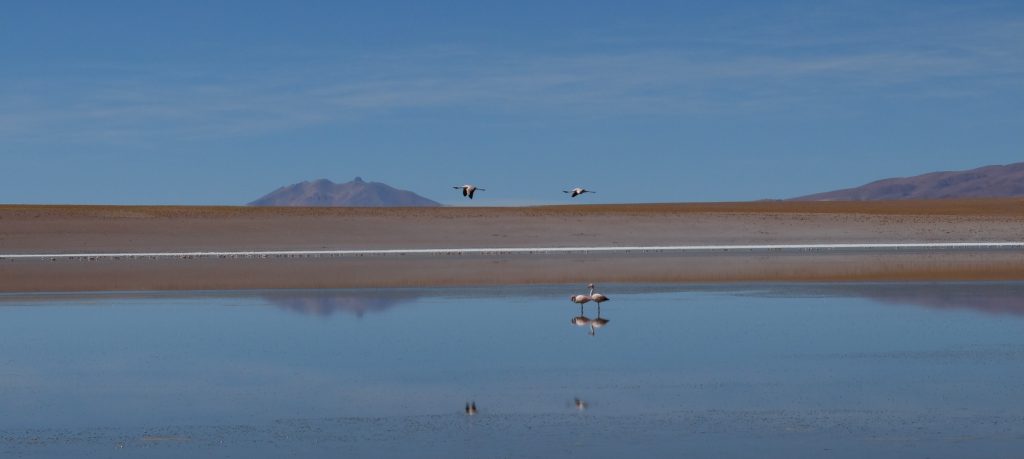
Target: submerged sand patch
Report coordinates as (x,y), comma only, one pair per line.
(230,274)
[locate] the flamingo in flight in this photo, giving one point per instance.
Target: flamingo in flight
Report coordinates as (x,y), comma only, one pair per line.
(577,191)
(468,190)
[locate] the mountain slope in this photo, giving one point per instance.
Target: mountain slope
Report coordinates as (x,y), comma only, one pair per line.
(357,193)
(983,182)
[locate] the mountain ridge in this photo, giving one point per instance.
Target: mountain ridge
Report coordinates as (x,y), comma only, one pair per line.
(992,181)
(356,193)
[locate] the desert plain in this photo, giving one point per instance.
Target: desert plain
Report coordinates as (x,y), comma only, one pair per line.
(46,229)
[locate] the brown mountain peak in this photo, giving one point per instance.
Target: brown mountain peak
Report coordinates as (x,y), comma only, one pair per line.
(357,193)
(996,181)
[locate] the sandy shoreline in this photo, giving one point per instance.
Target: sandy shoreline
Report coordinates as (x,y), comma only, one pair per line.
(91,229)
(433,271)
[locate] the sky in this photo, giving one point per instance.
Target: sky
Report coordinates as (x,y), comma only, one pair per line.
(178,102)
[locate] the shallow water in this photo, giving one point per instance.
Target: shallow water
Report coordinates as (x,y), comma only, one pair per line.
(852,370)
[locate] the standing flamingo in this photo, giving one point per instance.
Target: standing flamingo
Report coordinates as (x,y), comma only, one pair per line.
(597,297)
(580,299)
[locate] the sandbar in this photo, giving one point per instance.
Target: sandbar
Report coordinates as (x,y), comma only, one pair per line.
(95,229)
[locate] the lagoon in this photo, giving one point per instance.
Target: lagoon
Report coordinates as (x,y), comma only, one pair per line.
(831,370)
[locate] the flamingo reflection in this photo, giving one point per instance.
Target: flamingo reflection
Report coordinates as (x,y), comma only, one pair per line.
(580,404)
(583,321)
(597,322)
(580,320)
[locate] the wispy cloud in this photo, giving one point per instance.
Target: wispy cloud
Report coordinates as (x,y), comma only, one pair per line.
(145,101)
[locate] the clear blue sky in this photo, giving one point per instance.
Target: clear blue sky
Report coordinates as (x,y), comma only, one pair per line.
(220,102)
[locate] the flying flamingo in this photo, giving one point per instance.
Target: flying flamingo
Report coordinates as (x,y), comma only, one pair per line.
(468,190)
(577,191)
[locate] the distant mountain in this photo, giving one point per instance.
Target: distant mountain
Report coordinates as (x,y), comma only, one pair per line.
(983,182)
(357,193)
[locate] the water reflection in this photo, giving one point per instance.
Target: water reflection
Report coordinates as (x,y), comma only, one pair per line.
(997,298)
(598,322)
(593,324)
(580,404)
(580,320)
(983,297)
(1001,298)
(802,364)
(327,302)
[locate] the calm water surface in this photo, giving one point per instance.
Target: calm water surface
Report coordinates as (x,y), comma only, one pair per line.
(876,370)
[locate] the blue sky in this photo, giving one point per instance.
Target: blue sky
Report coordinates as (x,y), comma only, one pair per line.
(220,102)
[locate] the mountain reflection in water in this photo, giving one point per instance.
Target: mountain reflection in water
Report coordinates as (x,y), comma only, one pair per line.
(326,303)
(988,298)
(1003,298)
